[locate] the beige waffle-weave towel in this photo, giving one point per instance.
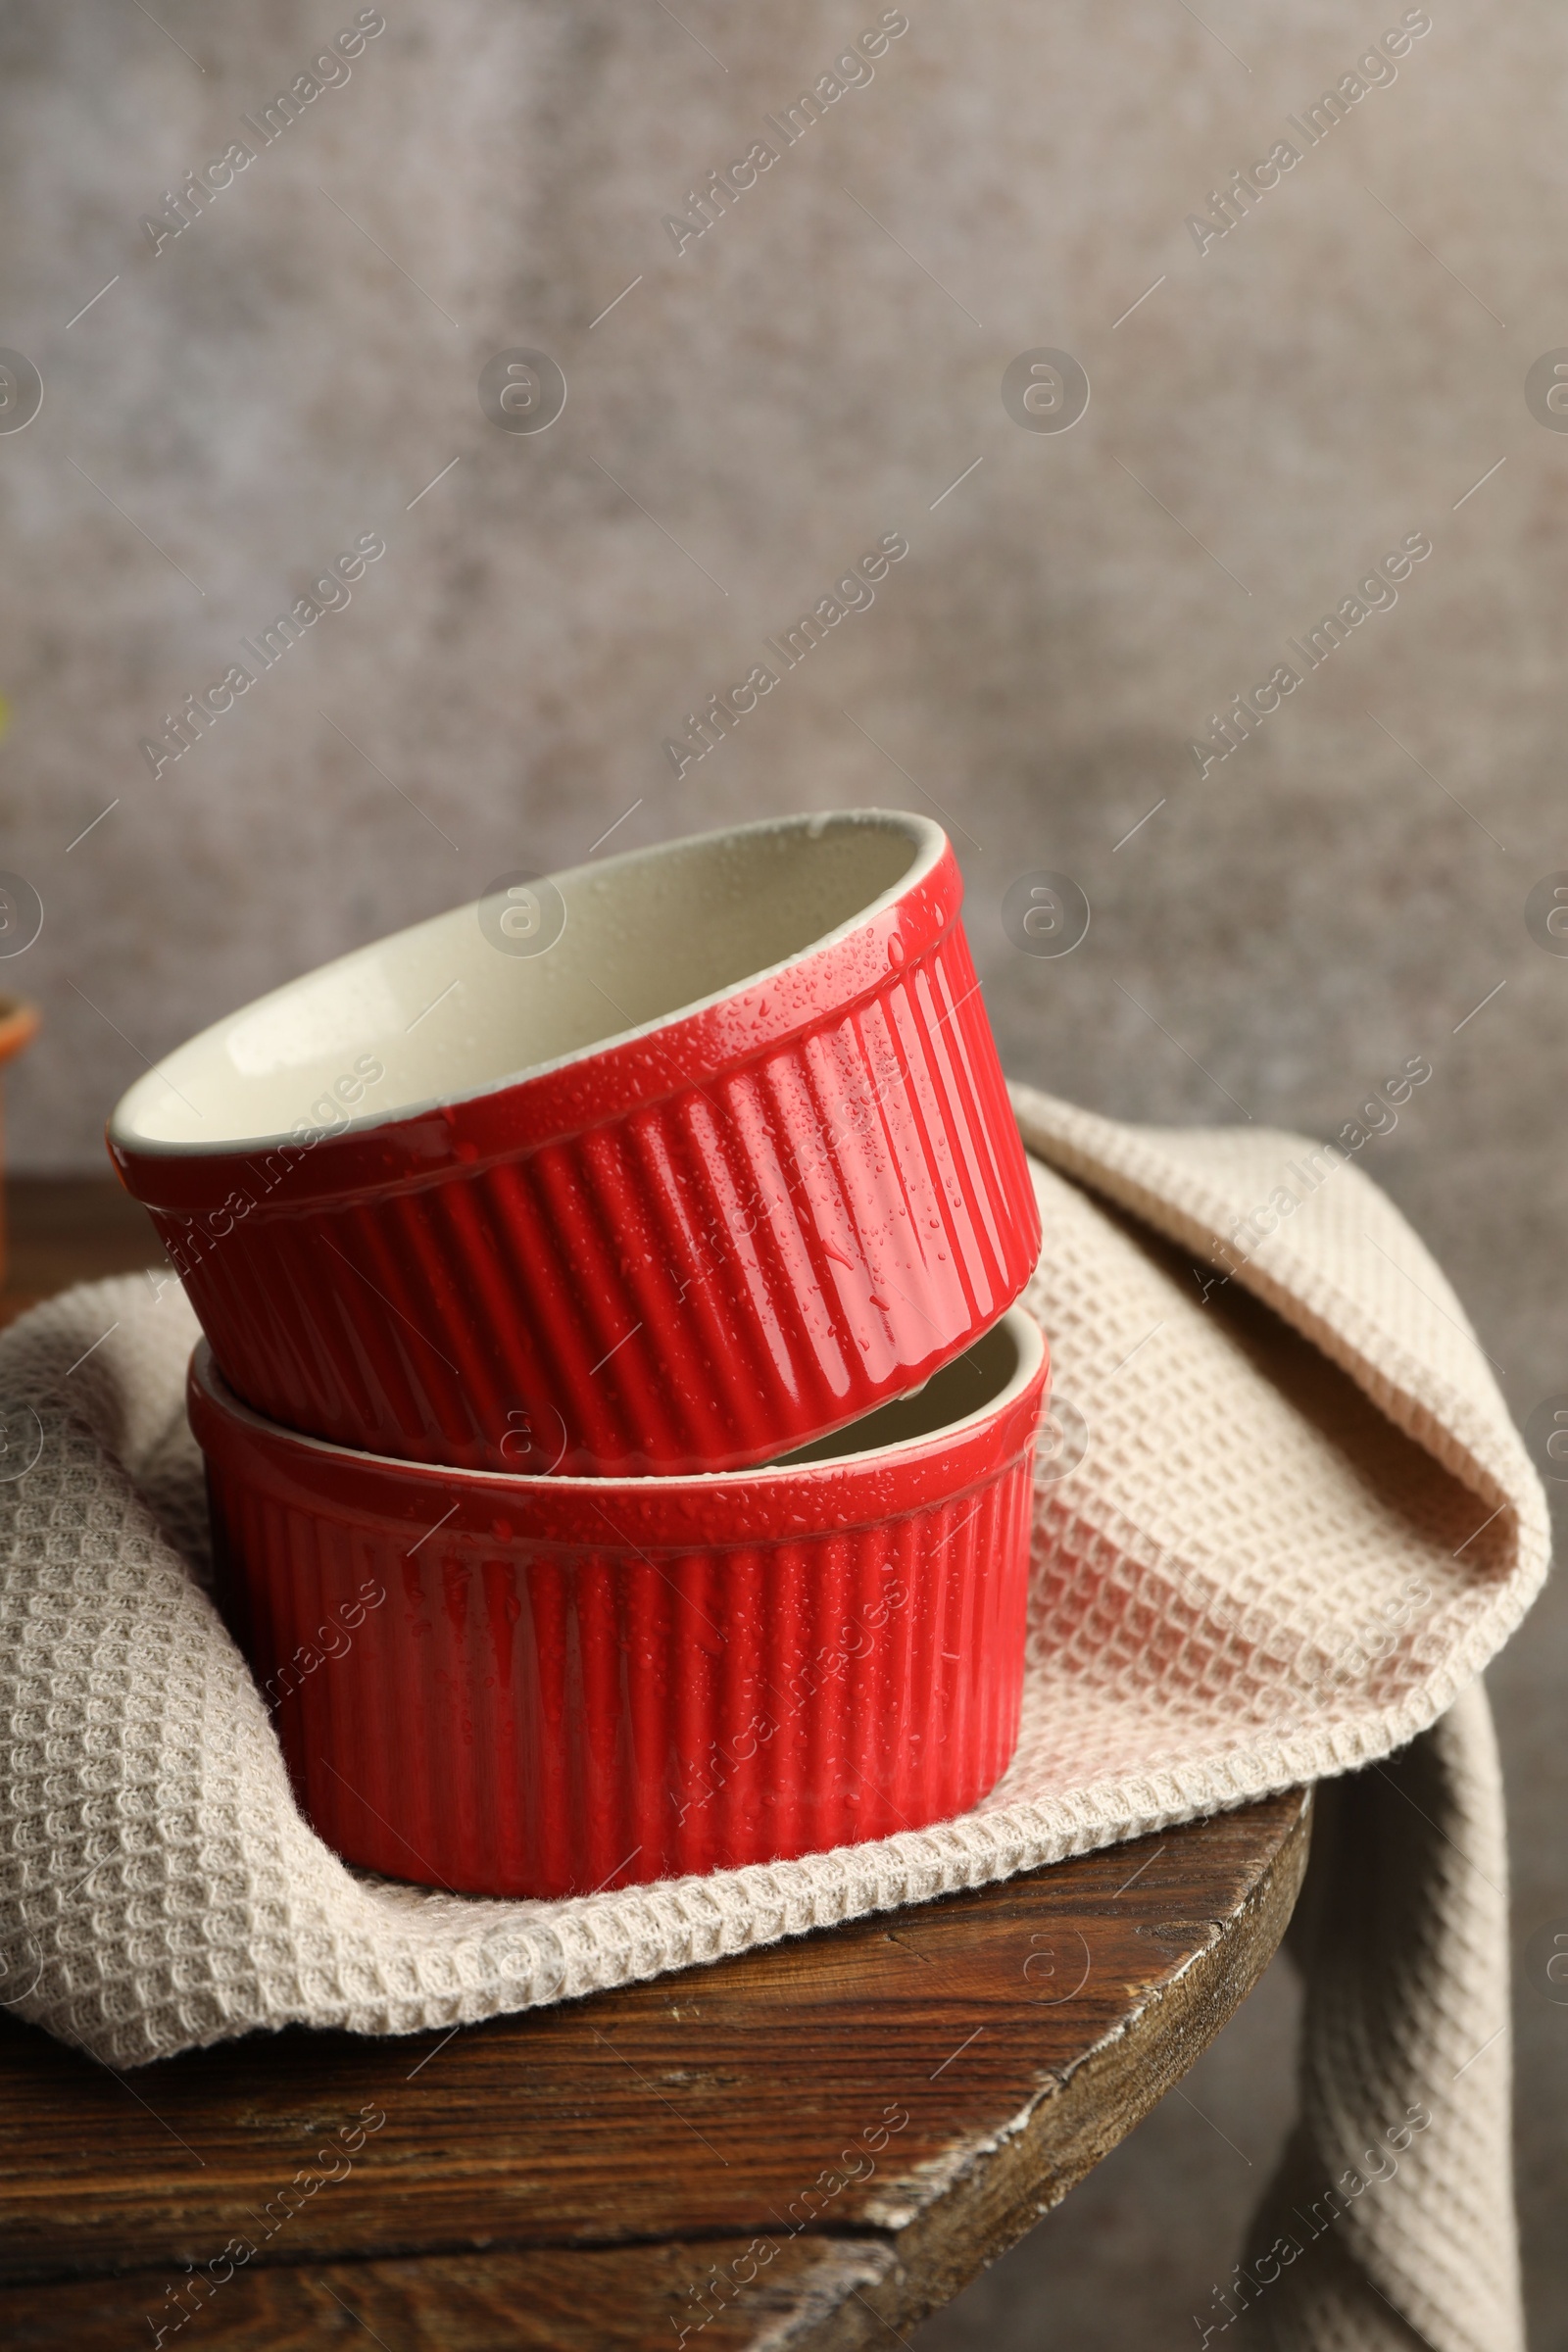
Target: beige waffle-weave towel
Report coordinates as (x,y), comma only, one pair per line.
(1291,1544)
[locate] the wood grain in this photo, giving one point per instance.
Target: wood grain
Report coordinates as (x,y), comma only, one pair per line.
(803,2147)
(919,2087)
(594,2299)
(65,1229)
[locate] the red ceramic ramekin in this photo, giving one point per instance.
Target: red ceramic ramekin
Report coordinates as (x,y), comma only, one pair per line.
(671,1163)
(547,1686)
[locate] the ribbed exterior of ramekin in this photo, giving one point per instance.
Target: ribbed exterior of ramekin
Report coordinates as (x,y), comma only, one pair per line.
(507,1717)
(702,1282)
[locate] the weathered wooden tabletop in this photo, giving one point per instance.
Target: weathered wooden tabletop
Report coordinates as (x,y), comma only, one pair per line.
(811,2145)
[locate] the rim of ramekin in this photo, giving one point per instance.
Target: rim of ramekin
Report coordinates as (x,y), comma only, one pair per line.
(930,842)
(207,1381)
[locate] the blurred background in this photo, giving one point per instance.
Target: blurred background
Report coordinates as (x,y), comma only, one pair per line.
(268,334)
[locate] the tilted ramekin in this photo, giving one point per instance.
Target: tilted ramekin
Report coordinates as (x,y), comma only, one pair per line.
(720,1168)
(544,1685)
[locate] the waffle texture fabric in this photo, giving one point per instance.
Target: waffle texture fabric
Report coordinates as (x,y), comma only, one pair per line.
(1284,1521)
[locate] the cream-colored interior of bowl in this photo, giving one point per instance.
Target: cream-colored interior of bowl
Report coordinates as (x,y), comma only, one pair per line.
(440,1011)
(985,1378)
(986,1375)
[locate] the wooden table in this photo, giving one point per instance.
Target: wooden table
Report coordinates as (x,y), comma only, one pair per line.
(812,2145)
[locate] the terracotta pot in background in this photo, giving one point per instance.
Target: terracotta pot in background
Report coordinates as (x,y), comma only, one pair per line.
(19,1025)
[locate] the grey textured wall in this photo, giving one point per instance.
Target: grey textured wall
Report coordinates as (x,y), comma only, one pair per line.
(793,384)
(1278,412)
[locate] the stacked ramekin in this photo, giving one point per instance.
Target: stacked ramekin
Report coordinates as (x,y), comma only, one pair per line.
(617,1421)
